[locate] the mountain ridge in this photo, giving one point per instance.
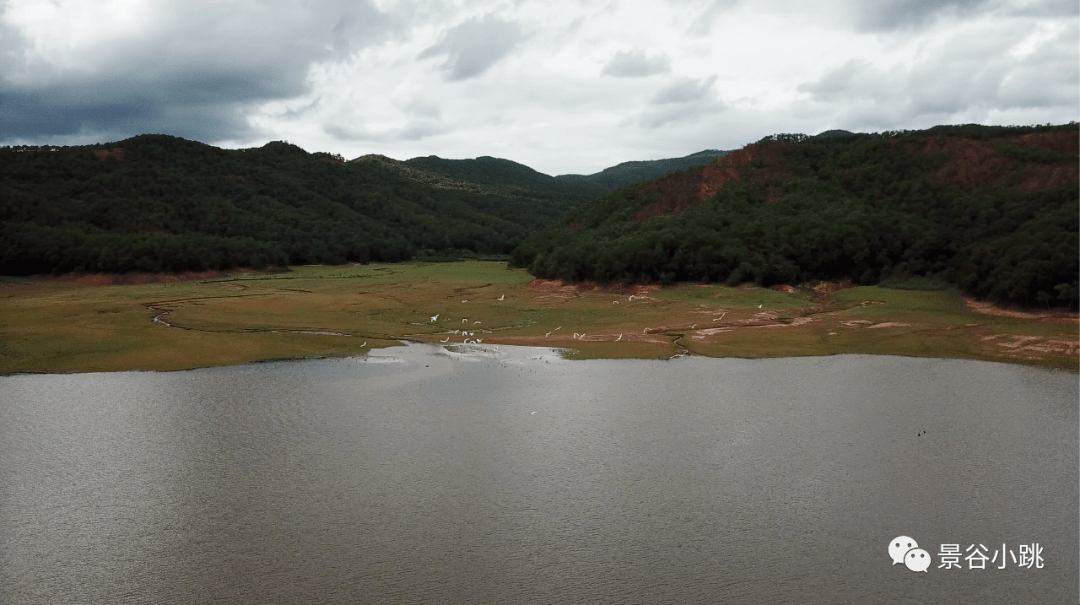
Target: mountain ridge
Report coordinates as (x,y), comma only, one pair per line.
(992,210)
(163,203)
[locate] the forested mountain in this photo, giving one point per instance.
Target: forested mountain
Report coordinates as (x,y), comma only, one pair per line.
(162,203)
(627,173)
(499,174)
(991,209)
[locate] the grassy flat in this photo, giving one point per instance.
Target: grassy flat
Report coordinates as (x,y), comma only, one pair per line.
(53,325)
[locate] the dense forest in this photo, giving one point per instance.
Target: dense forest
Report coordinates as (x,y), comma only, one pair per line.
(993,210)
(162,203)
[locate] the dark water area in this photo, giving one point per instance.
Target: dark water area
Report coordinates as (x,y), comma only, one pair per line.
(418,474)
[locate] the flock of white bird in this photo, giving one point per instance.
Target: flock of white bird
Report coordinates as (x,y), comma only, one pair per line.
(577,336)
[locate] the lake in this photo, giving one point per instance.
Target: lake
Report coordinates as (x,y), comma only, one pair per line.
(421,474)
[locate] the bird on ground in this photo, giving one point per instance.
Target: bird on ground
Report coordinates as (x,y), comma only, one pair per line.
(759,306)
(465,301)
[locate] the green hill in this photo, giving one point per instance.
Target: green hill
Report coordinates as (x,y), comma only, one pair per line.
(161,203)
(505,176)
(993,210)
(627,173)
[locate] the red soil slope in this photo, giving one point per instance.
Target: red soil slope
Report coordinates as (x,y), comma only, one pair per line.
(972,164)
(681,192)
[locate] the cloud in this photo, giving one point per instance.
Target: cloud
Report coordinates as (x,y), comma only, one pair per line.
(474,46)
(685,90)
(412,131)
(968,72)
(885,15)
(191,69)
(702,25)
(636,64)
(685,100)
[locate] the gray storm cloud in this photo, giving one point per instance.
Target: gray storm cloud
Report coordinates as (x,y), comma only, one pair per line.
(880,15)
(966,74)
(685,90)
(194,74)
(636,64)
(474,46)
(682,101)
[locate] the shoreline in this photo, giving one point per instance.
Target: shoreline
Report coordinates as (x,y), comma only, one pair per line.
(60,326)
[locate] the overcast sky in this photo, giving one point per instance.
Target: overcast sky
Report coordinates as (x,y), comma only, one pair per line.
(562,86)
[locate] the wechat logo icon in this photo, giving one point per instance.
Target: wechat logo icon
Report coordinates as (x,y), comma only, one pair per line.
(906,550)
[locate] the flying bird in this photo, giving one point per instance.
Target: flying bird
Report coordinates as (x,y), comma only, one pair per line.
(502,297)
(619,338)
(614,302)
(476,322)
(434,317)
(447,339)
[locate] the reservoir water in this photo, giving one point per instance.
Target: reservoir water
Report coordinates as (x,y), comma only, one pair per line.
(418,474)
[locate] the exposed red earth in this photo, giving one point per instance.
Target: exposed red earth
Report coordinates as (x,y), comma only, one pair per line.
(971,164)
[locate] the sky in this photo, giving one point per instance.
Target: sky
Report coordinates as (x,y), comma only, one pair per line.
(565,87)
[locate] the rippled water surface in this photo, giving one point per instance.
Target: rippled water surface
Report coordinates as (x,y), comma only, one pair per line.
(511,476)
